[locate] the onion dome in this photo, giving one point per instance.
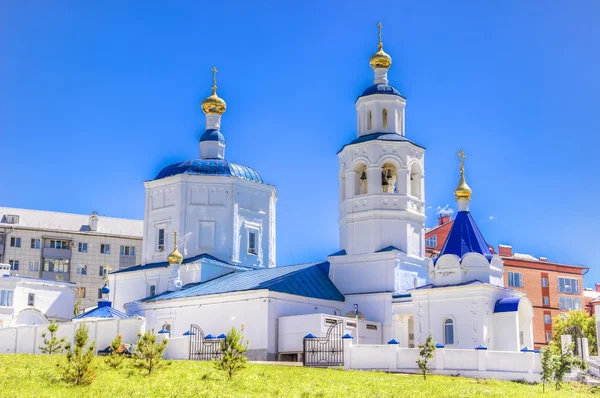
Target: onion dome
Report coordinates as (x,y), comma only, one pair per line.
(462,191)
(380,59)
(175,257)
(105,289)
(214,105)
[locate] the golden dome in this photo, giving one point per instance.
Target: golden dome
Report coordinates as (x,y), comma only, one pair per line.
(214,104)
(175,257)
(380,59)
(462,191)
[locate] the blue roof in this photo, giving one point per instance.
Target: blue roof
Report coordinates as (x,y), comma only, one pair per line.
(510,304)
(338,253)
(204,258)
(379,137)
(465,237)
(388,249)
(104,310)
(380,89)
(210,167)
(212,135)
(307,280)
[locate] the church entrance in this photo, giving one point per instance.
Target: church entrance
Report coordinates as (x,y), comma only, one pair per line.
(204,348)
(325,351)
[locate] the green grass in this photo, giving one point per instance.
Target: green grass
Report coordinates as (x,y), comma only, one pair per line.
(39,376)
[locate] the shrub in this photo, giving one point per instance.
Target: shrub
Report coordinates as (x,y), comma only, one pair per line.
(148,353)
(425,354)
(547,360)
(80,367)
(54,345)
(564,363)
(117,352)
(234,347)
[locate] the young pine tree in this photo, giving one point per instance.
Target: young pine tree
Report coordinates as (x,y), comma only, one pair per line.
(564,363)
(117,352)
(234,347)
(547,359)
(425,354)
(80,367)
(148,353)
(54,345)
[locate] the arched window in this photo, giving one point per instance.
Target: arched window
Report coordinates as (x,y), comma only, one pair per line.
(388,178)
(415,181)
(384,118)
(369,121)
(448,331)
(360,179)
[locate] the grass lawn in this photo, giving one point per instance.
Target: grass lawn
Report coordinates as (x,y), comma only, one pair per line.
(39,376)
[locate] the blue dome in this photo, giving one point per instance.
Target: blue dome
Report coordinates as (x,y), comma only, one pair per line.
(381,89)
(212,135)
(105,289)
(210,167)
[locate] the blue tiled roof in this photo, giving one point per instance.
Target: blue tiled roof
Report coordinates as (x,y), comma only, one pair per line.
(212,135)
(380,89)
(388,249)
(510,304)
(104,310)
(210,167)
(379,137)
(465,237)
(205,258)
(338,253)
(471,282)
(307,280)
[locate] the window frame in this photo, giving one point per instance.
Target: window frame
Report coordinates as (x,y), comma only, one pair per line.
(34,268)
(252,237)
(511,279)
(548,317)
(36,243)
(546,300)
(105,248)
(160,240)
(449,322)
(78,291)
(15,241)
(430,240)
(82,247)
(152,290)
(31,300)
(572,287)
(14,265)
(82,269)
(7,297)
(547,282)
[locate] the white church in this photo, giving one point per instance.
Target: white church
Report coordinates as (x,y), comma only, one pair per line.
(224,214)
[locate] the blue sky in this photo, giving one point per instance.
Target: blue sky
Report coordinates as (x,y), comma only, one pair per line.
(96,97)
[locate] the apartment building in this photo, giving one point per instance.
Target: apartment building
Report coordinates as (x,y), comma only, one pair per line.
(553,288)
(68,247)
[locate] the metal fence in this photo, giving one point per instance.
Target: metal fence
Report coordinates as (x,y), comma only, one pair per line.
(325,351)
(203,347)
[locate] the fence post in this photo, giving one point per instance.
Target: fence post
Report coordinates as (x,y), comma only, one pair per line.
(347,342)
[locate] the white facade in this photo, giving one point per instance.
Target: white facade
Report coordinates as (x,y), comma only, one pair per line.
(28,301)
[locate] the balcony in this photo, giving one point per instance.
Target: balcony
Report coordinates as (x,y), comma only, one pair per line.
(50,275)
(61,254)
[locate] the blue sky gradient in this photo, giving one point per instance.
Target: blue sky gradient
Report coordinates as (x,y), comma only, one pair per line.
(96,97)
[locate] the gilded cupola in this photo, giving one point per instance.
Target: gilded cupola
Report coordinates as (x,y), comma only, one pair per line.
(462,191)
(380,59)
(214,105)
(175,257)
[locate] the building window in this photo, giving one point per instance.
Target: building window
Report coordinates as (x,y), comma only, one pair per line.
(431,241)
(101,271)
(80,292)
(568,285)
(15,242)
(448,331)
(548,337)
(56,265)
(544,282)
(82,247)
(105,249)
(547,319)
(515,279)
(34,266)
(99,293)
(14,265)
(384,118)
(127,251)
(546,300)
(569,303)
(161,240)
(59,244)
(152,290)
(6,298)
(31,299)
(369,121)
(82,269)
(35,243)
(11,219)
(371,327)
(252,242)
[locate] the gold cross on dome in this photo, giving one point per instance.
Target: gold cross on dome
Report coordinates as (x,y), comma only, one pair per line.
(461,156)
(106,270)
(214,71)
(379,25)
(175,237)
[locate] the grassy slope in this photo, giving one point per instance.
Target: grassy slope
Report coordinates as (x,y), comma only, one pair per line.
(39,376)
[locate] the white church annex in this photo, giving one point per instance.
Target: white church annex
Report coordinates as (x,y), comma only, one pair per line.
(224,214)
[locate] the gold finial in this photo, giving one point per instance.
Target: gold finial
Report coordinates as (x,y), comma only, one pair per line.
(106,270)
(380,59)
(462,191)
(175,257)
(214,105)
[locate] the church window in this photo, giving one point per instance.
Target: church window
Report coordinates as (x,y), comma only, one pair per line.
(161,240)
(384,118)
(431,241)
(369,120)
(31,299)
(515,279)
(360,179)
(415,181)
(152,292)
(388,178)
(448,331)
(252,242)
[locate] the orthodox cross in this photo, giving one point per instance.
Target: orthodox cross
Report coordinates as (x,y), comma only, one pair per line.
(106,269)
(214,71)
(175,235)
(379,25)
(461,155)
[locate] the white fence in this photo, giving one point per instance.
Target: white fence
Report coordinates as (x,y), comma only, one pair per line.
(27,339)
(503,365)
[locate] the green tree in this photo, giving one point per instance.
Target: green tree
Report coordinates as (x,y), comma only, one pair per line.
(77,308)
(53,345)
(425,354)
(564,363)
(547,359)
(148,353)
(586,323)
(234,346)
(117,352)
(80,367)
